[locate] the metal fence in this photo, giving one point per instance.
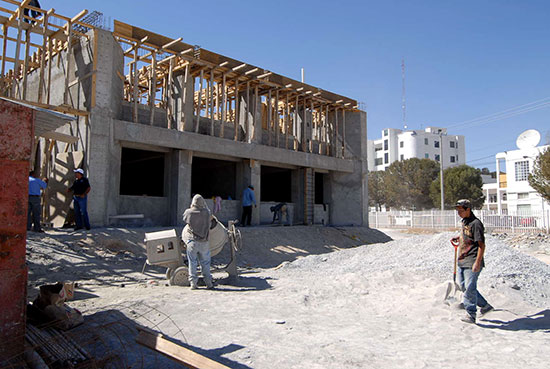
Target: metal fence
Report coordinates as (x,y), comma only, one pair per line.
(534,222)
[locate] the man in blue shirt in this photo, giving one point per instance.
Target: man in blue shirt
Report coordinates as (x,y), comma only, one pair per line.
(248,200)
(35,209)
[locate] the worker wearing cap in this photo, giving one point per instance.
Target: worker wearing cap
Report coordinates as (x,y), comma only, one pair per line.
(470,260)
(35,209)
(80,189)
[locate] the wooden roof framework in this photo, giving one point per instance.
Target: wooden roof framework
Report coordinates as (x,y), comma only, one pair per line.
(153,61)
(54,39)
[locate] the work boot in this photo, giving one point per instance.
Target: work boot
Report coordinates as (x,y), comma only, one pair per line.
(484,310)
(468,318)
(209,284)
(193,285)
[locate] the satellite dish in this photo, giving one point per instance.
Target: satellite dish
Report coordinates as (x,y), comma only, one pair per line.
(528,139)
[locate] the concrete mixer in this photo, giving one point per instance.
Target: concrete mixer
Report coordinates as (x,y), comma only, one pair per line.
(165,248)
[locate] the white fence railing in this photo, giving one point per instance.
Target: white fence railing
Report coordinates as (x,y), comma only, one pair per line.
(449,219)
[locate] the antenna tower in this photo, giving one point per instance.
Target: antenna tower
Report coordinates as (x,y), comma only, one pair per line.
(403,105)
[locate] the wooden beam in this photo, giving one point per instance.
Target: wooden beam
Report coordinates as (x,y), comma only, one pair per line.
(184,99)
(153,90)
(69,33)
(237,106)
(224,103)
(210,101)
(199,102)
(269,117)
(181,354)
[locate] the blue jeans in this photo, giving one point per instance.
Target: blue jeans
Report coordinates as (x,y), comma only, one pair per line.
(199,252)
(33,214)
(81,211)
(467,279)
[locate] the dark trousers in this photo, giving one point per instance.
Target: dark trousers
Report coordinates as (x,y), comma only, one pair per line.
(81,212)
(247,215)
(34,213)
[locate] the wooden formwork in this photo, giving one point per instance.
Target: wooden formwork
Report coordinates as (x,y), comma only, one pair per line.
(220,83)
(20,32)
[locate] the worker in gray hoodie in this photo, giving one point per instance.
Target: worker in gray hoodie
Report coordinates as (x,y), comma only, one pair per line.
(195,236)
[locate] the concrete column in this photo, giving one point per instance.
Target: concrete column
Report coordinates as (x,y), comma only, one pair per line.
(103,154)
(349,191)
(187,115)
(297,195)
(181,162)
(255,125)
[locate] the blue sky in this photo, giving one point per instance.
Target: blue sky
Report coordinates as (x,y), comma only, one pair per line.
(463,59)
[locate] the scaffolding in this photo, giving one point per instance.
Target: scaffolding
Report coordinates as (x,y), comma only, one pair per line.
(40,38)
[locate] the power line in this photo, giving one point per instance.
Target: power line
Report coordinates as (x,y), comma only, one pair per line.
(534,105)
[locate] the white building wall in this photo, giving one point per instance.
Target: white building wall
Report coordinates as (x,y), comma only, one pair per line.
(517,196)
(419,144)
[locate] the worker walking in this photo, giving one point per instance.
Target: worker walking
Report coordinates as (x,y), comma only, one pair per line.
(248,200)
(195,236)
(35,209)
(470,260)
(80,188)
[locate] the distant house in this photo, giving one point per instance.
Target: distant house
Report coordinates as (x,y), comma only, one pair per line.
(397,144)
(511,191)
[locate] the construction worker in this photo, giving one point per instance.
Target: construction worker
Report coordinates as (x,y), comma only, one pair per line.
(470,260)
(195,236)
(80,188)
(35,14)
(248,200)
(35,209)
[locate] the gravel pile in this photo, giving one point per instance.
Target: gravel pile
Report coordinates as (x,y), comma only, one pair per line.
(533,241)
(506,268)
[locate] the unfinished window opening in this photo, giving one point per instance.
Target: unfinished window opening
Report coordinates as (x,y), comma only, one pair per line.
(319,188)
(276,184)
(142,173)
(212,177)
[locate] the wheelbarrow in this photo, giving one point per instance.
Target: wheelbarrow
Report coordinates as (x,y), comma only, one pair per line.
(165,248)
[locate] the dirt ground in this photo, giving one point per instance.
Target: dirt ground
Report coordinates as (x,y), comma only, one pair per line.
(307,297)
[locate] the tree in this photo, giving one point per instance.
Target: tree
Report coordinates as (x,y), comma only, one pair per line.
(377,192)
(539,179)
(461,182)
(407,183)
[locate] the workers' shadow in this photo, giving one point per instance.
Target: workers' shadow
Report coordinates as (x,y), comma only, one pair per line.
(109,336)
(242,284)
(535,322)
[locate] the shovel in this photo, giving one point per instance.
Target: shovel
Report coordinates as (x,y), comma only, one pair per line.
(453,287)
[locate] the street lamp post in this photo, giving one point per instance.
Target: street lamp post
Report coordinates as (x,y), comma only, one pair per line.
(441,170)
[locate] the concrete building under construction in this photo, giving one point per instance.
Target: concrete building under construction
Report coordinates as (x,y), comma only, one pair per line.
(159,120)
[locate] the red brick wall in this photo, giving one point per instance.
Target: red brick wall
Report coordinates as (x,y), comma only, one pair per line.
(16,139)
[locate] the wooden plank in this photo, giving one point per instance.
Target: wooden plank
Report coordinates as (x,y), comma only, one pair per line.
(343,133)
(189,358)
(50,62)
(224,103)
(247,119)
(237,112)
(336,134)
(17,50)
(60,137)
(134,69)
(184,99)
(286,121)
(68,68)
(277,121)
(170,87)
(4,48)
(296,127)
(256,123)
(269,117)
(153,90)
(43,57)
(26,63)
(199,102)
(210,101)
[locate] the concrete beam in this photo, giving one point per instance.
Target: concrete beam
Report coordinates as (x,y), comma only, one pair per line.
(156,136)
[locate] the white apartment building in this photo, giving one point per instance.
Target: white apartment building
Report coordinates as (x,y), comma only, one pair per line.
(397,144)
(511,193)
